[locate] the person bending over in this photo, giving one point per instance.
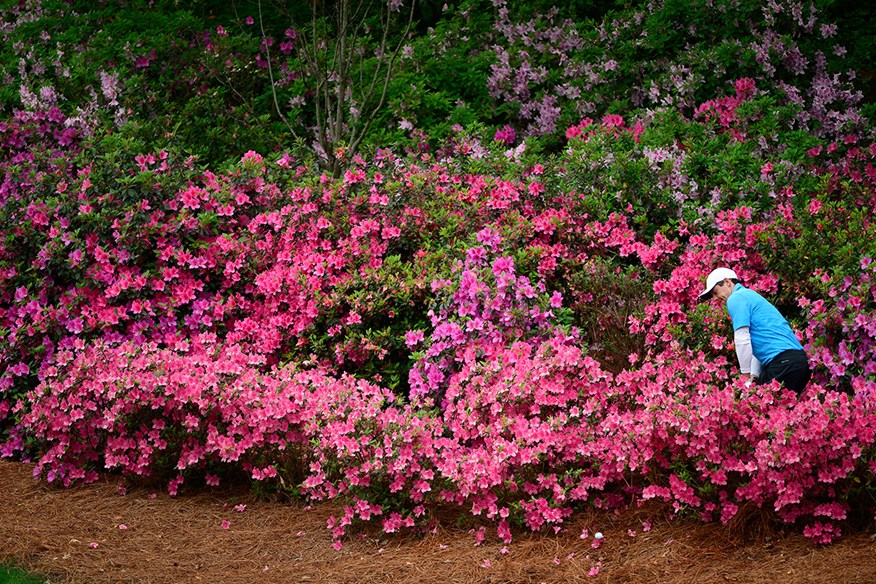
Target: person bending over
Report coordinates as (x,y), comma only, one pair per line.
(761,334)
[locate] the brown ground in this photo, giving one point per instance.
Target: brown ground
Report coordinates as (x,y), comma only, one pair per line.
(52,532)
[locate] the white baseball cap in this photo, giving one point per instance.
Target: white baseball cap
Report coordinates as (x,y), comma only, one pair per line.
(717,275)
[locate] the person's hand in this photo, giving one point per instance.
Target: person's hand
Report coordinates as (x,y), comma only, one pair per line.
(748,379)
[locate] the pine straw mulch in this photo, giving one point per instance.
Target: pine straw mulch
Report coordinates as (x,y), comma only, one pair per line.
(53,531)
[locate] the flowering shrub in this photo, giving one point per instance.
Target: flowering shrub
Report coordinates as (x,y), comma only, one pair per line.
(489,307)
(842,332)
(672,55)
(508,326)
(508,417)
(184,411)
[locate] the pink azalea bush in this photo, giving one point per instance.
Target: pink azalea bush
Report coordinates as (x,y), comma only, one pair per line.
(230,347)
(842,331)
(195,408)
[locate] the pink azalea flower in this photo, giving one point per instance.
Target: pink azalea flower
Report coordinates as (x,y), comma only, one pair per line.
(413,338)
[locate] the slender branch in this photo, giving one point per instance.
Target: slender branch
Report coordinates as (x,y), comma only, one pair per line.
(320,74)
(341,70)
(340,74)
(271,74)
(356,141)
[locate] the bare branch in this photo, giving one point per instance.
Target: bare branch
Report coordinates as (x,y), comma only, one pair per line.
(387,78)
(271,74)
(334,54)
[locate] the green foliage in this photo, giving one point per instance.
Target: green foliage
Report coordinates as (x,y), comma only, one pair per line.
(13,575)
(830,230)
(176,86)
(390,301)
(604,297)
(855,24)
(184,85)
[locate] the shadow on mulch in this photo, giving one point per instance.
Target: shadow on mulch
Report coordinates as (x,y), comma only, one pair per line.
(76,535)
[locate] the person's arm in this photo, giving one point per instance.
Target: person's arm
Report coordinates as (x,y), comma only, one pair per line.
(756,368)
(740,314)
(742,340)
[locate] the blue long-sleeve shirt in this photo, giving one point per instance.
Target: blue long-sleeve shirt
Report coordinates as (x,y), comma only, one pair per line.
(770,332)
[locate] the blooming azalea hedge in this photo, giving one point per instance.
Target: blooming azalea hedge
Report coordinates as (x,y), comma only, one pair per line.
(414,334)
(512,334)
